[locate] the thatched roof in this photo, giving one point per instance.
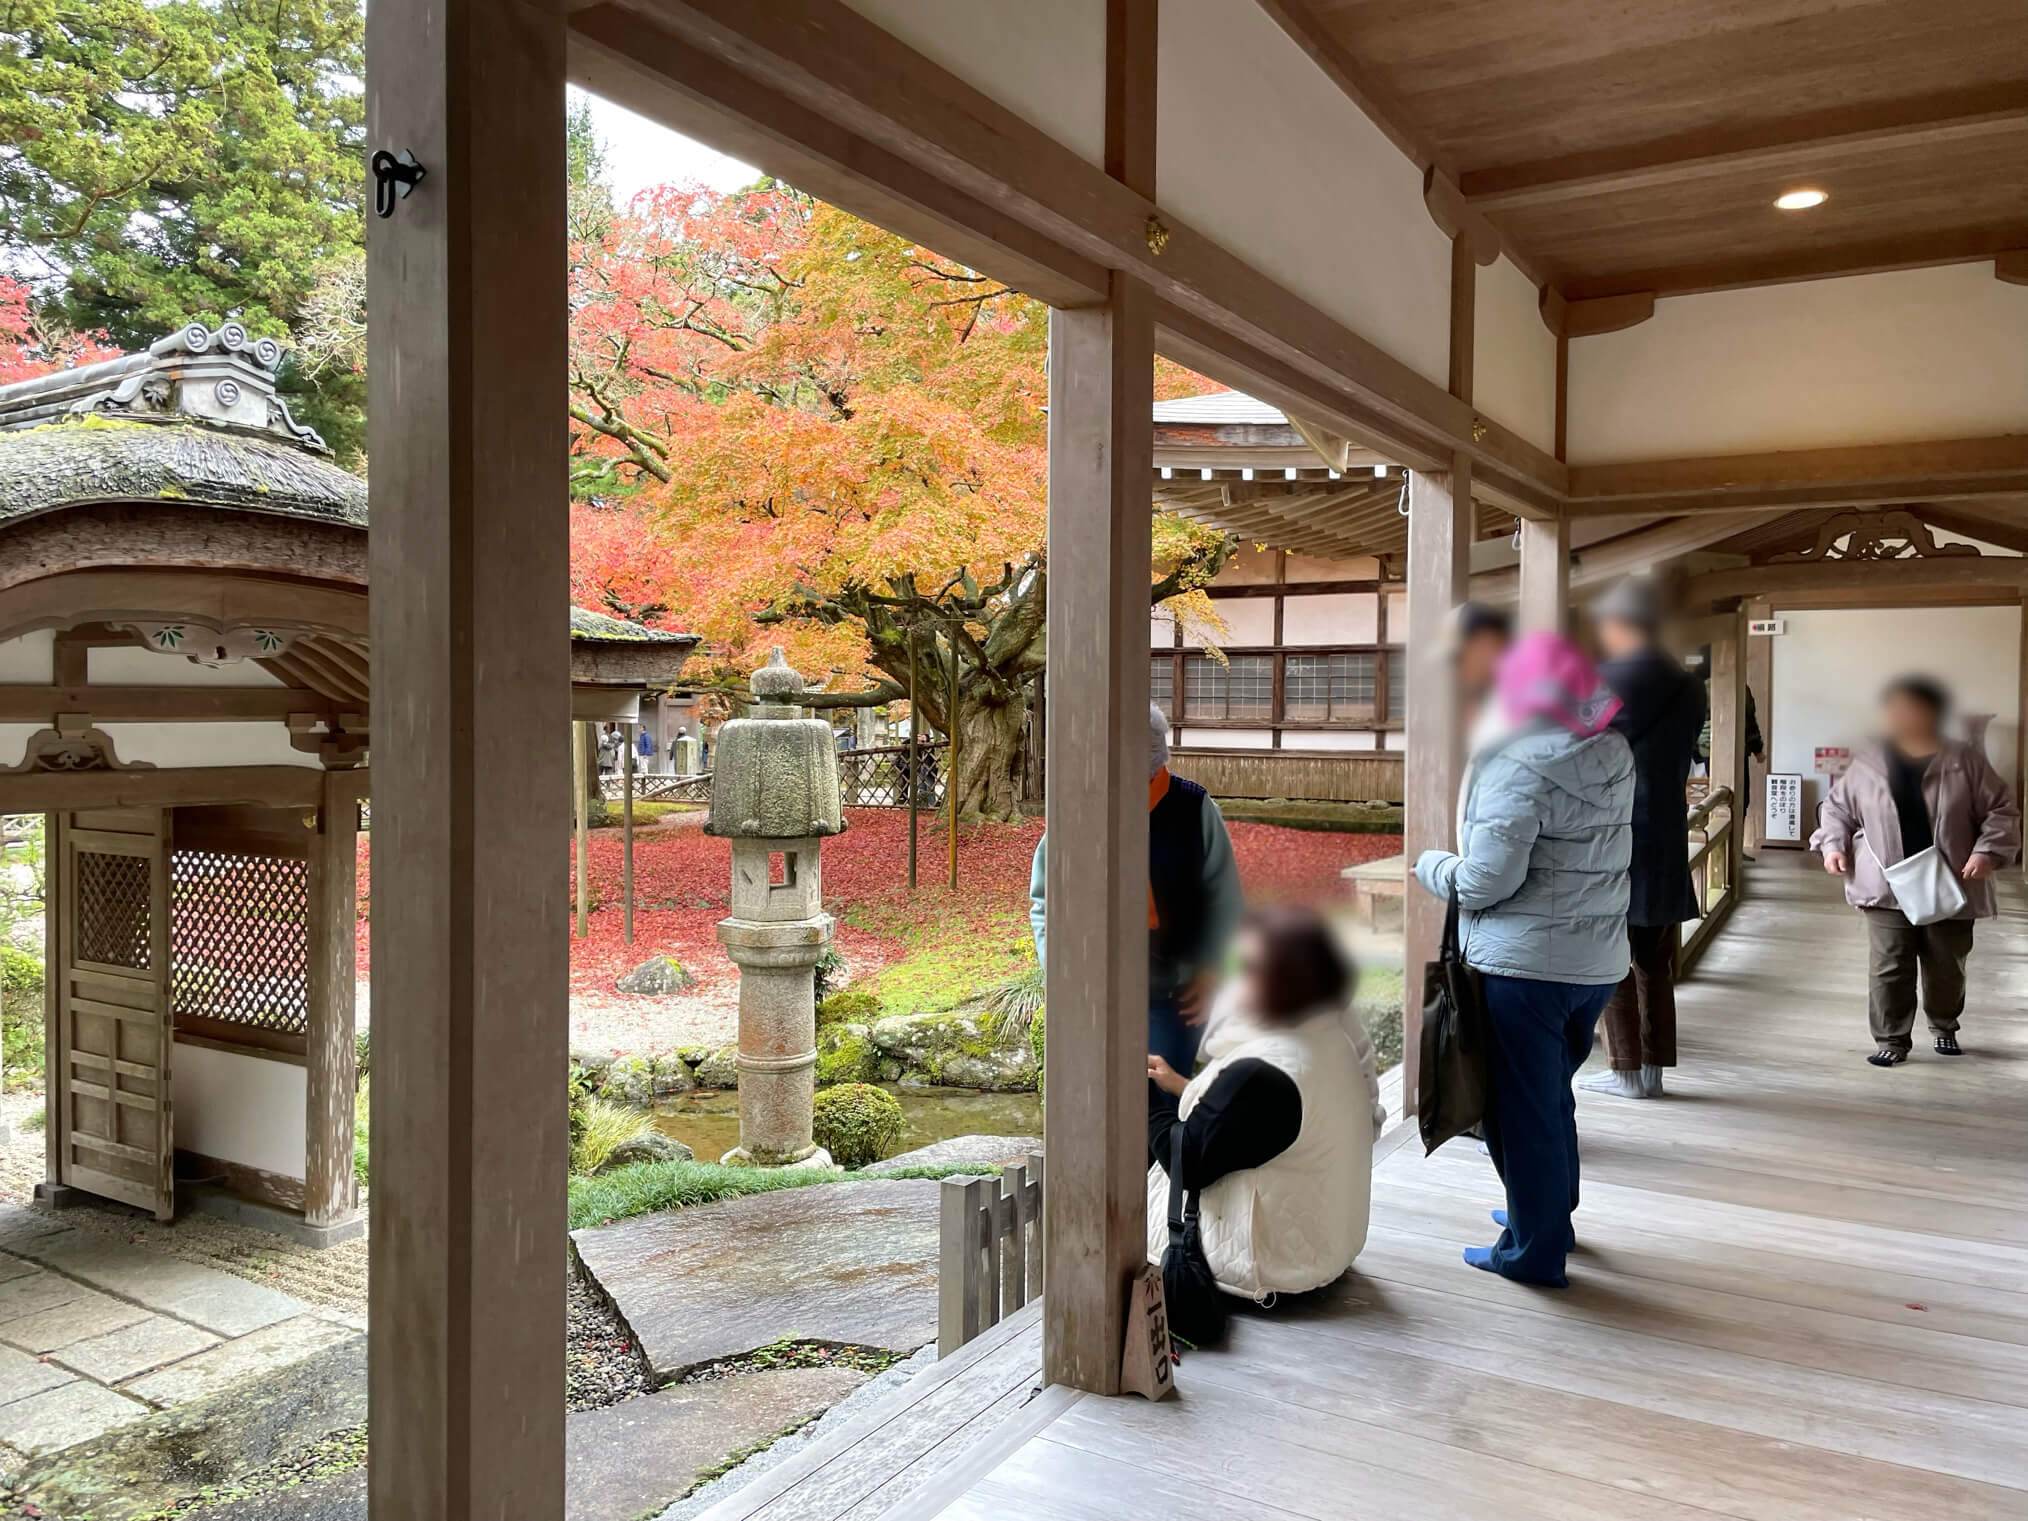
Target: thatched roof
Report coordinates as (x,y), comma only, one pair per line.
(588,626)
(96,459)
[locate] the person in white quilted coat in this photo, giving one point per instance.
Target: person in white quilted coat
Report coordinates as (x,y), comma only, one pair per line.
(1275,1133)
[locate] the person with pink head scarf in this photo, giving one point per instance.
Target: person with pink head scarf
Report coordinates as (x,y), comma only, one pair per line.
(1540,875)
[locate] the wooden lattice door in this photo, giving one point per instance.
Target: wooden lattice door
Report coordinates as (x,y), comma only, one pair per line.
(109,1072)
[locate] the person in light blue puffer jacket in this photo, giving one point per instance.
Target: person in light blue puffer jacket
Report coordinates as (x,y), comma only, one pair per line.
(1546,837)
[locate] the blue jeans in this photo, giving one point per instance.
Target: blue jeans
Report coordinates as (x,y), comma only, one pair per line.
(1542,1033)
(1168,1037)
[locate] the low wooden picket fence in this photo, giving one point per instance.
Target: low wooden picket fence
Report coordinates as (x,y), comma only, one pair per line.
(989,1251)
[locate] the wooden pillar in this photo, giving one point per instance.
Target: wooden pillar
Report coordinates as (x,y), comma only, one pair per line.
(469,560)
(1760,683)
(1545,575)
(1440,523)
(330,1193)
(1728,733)
(580,789)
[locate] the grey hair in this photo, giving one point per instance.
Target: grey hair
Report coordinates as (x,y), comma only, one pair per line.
(1158,738)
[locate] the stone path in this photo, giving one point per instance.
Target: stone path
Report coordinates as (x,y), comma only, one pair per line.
(853,1264)
(96,1334)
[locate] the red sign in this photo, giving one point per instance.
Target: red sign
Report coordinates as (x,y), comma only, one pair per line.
(1833,760)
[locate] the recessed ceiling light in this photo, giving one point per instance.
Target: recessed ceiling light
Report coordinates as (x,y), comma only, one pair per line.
(1800,200)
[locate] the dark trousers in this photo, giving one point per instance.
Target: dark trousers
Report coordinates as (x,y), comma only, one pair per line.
(1901,951)
(1640,1018)
(1170,1038)
(1542,1033)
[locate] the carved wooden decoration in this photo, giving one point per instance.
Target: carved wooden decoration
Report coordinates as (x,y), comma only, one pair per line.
(1891,535)
(73,745)
(204,644)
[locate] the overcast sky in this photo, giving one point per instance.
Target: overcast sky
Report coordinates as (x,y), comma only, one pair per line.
(641,153)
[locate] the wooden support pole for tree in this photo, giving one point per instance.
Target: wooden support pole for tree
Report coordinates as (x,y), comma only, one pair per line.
(469,557)
(1440,525)
(914,753)
(1545,574)
(330,1058)
(627,832)
(580,757)
(951,761)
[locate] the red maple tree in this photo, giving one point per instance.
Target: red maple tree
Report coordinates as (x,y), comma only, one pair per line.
(30,346)
(791,427)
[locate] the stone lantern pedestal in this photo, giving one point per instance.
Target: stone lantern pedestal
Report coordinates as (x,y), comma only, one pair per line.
(774,794)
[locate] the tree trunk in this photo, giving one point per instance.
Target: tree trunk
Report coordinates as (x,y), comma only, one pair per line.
(989,758)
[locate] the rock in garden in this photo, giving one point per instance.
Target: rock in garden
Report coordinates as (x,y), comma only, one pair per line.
(651,1147)
(846,1054)
(988,1153)
(963,1049)
(720,1069)
(657,977)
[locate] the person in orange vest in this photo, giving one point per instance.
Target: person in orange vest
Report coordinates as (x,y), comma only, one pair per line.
(1194,903)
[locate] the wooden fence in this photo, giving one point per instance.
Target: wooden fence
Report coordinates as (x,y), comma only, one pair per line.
(1339,776)
(990,1251)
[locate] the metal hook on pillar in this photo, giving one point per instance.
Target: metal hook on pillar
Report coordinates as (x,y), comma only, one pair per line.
(394,176)
(1401,502)
(1517,533)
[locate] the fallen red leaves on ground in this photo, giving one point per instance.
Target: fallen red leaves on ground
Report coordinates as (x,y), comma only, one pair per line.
(682,887)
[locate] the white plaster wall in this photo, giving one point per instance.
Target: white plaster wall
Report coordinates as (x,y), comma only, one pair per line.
(222,744)
(133,666)
(1329,739)
(240,1108)
(28,657)
(1259,151)
(1044,59)
(1248,620)
(1513,355)
(1829,667)
(1335,618)
(1225,739)
(1869,359)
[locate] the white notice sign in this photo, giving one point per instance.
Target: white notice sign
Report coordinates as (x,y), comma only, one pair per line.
(1784,823)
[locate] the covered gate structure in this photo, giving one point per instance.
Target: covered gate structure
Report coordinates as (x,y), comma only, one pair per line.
(1696,262)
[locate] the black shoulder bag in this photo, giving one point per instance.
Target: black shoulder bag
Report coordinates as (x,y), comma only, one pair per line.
(1454,1086)
(1195,1304)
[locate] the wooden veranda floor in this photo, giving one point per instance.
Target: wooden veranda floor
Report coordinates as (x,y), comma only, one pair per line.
(1801,1293)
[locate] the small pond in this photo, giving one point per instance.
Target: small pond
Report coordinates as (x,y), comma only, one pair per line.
(707,1121)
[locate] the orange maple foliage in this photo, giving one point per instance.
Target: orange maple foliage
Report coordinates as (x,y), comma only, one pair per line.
(795,428)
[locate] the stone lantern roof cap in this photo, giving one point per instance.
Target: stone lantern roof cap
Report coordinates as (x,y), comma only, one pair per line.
(778,681)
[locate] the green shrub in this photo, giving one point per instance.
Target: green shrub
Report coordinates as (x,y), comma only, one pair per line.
(830,972)
(362,1056)
(846,1054)
(1035,1039)
(857,1006)
(605,1128)
(21,1017)
(857,1123)
(37,1119)
(1016,1001)
(20,971)
(362,1109)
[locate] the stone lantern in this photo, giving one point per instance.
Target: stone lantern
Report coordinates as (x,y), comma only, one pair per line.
(774,794)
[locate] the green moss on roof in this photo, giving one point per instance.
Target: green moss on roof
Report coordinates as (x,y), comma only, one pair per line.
(70,463)
(586,624)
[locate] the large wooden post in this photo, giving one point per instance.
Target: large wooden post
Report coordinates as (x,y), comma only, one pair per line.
(1545,575)
(1101,453)
(1440,521)
(1760,685)
(469,563)
(330,1058)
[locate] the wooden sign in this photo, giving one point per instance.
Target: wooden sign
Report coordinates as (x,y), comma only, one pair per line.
(1147,1368)
(1784,803)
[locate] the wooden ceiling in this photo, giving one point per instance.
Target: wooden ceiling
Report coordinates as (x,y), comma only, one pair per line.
(1638,145)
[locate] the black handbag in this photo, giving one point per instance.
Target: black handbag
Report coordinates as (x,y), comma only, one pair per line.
(1454,1084)
(1192,1299)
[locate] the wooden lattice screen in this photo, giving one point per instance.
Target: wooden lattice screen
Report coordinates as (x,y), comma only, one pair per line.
(239,938)
(112,910)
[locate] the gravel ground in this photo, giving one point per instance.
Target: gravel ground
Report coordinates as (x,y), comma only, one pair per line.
(602,1365)
(630,1025)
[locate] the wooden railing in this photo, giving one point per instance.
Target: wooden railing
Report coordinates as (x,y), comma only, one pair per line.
(989,1260)
(1710,871)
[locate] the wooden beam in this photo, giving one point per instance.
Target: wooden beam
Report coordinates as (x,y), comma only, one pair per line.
(1902,577)
(1456,219)
(1545,575)
(1844,476)
(1813,143)
(2011,266)
(1607,314)
(166,596)
(24,702)
(1728,736)
(471,675)
(1950,245)
(166,787)
(330,1191)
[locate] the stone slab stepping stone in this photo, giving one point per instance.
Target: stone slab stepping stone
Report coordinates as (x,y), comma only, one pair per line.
(32,1293)
(229,1362)
(133,1350)
(22,1375)
(64,1416)
(633,1458)
(15,1267)
(988,1153)
(848,1263)
(89,1314)
(219,1302)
